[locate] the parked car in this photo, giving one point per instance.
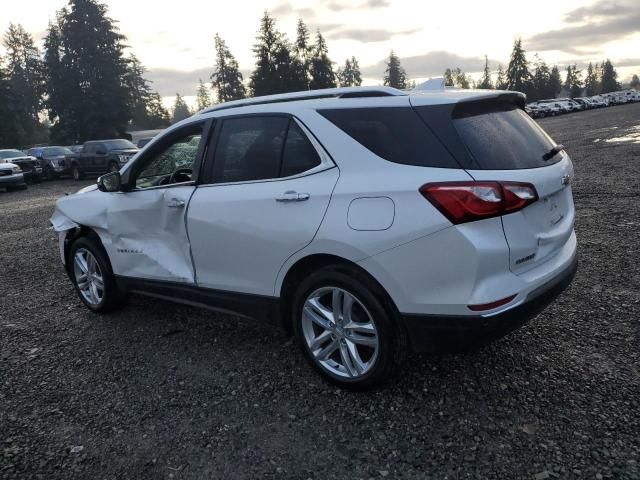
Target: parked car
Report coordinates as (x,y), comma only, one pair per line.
(143,141)
(101,156)
(370,222)
(29,165)
(74,148)
(11,176)
(53,160)
(583,102)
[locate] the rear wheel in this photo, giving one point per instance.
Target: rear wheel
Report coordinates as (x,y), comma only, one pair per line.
(76,172)
(92,276)
(343,328)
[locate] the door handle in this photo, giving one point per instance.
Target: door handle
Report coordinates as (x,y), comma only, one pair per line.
(175,203)
(292,196)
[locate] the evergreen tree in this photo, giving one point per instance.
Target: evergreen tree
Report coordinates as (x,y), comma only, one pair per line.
(87,95)
(501,79)
(573,82)
(540,87)
(10,134)
(226,78)
(609,77)
(460,79)
(518,75)
(180,109)
(146,111)
(635,82)
(203,97)
(591,82)
(395,76)
(349,75)
(302,52)
(448,78)
(555,83)
(25,71)
(485,81)
(322,74)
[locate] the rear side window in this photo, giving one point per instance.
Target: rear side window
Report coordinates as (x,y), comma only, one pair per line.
(299,155)
(504,140)
(249,148)
(396,134)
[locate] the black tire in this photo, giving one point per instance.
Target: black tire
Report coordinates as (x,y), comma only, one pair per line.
(113,298)
(76,173)
(368,293)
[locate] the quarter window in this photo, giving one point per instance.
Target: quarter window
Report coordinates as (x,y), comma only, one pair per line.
(299,155)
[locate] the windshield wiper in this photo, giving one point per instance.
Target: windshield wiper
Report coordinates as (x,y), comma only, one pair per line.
(553,152)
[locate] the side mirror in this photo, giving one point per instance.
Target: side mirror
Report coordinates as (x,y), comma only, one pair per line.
(111,182)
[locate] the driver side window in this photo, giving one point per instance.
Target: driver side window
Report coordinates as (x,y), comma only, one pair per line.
(173,163)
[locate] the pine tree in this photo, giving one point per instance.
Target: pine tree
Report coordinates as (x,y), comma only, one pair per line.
(573,82)
(518,75)
(591,82)
(501,79)
(180,109)
(635,82)
(395,76)
(540,87)
(302,52)
(555,83)
(25,71)
(349,75)
(448,78)
(203,97)
(87,94)
(485,81)
(460,79)
(226,78)
(609,77)
(322,74)
(10,134)
(146,113)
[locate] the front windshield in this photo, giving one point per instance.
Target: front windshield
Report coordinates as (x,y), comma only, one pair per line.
(119,144)
(57,151)
(11,154)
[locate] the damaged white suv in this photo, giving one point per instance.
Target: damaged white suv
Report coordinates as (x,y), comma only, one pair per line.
(369,222)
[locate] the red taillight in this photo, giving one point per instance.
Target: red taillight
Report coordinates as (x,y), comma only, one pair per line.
(463,202)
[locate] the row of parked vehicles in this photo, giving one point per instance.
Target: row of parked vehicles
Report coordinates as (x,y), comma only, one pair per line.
(557,106)
(96,157)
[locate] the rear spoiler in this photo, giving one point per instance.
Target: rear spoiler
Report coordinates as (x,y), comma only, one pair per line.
(499,102)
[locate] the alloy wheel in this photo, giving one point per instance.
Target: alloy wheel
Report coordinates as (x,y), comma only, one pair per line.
(339,332)
(88,276)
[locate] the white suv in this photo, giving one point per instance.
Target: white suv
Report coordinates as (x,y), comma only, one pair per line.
(370,222)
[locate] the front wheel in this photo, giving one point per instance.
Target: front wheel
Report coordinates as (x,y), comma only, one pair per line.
(92,276)
(76,173)
(344,330)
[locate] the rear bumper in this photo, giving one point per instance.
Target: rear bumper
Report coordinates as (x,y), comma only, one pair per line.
(438,333)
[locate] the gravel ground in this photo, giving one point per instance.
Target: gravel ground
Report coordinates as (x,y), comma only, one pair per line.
(165,391)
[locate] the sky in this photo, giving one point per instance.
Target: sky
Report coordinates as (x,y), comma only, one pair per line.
(174,40)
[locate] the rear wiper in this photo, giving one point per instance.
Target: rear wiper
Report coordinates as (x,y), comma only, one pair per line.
(553,152)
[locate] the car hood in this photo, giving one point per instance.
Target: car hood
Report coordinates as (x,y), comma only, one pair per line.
(87,189)
(18,159)
(131,151)
(8,165)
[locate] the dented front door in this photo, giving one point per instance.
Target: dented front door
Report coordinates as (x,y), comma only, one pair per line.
(148,234)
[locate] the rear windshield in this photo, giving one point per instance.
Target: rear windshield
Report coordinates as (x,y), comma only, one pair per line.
(504,140)
(396,134)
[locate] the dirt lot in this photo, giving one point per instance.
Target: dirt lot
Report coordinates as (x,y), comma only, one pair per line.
(165,391)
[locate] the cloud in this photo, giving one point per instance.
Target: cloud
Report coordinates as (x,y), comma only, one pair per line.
(363,34)
(285,8)
(431,64)
(600,23)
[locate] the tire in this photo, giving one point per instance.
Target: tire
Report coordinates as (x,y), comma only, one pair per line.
(76,173)
(102,296)
(375,358)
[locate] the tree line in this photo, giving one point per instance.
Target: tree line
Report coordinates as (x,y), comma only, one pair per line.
(538,81)
(84,85)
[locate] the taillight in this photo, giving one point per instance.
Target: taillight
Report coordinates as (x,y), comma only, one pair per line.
(463,202)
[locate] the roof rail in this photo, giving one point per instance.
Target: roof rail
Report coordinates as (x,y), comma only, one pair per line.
(343,92)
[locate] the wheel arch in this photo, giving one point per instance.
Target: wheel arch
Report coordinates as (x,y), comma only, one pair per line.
(79,232)
(310,263)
